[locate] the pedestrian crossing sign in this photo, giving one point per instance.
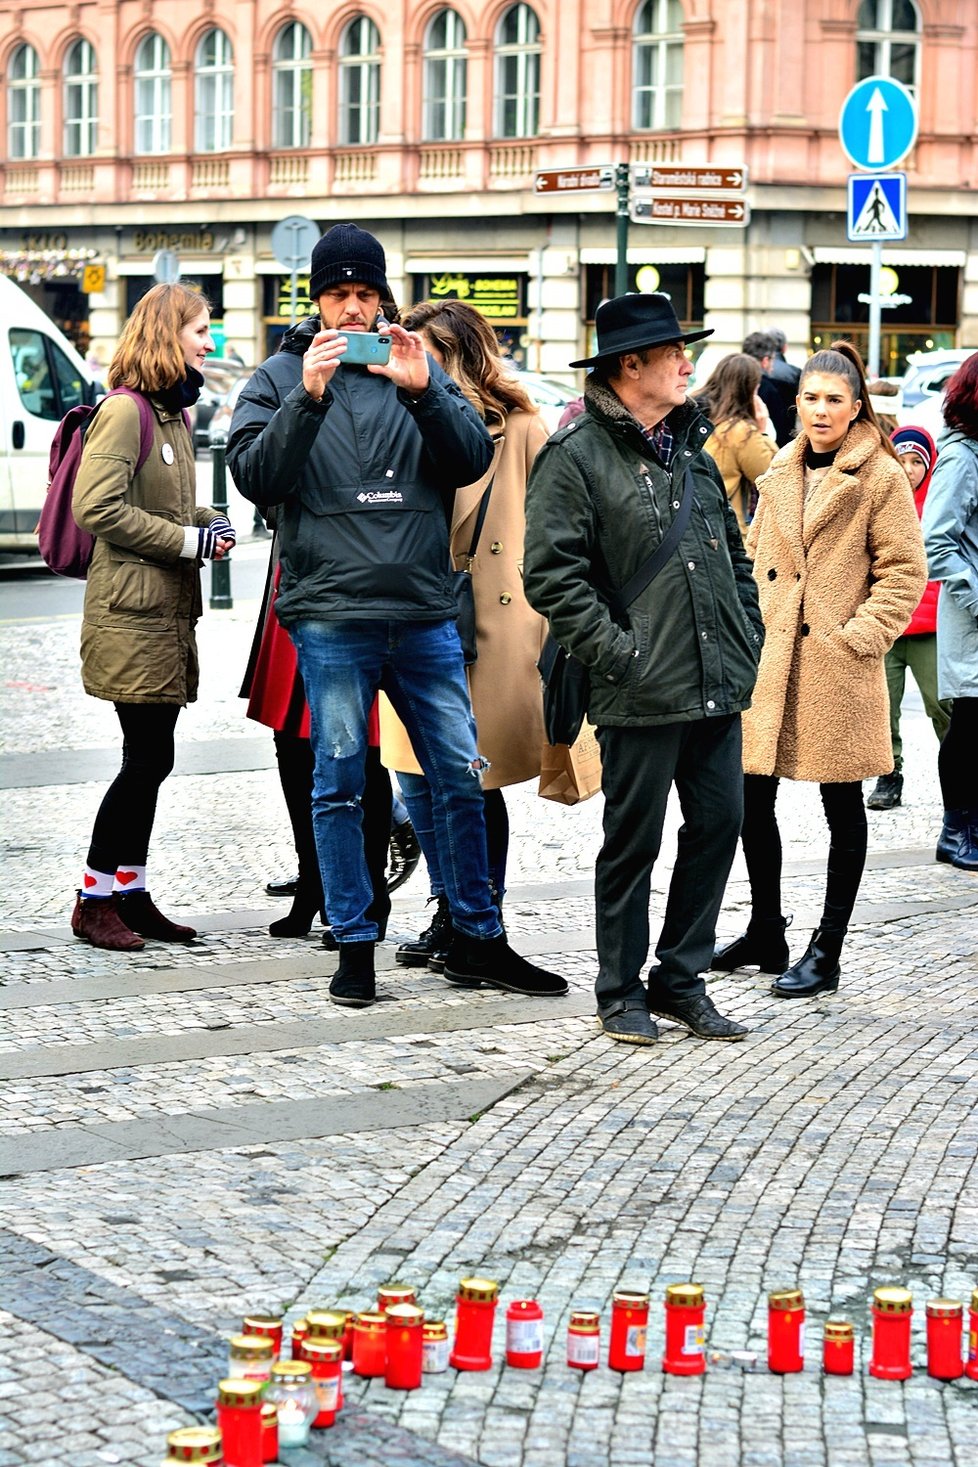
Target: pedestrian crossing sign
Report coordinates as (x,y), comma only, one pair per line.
(877,207)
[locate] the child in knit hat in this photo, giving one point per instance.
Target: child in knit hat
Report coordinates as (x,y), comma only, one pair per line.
(917,648)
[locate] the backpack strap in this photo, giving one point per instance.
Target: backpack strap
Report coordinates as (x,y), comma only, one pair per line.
(146,421)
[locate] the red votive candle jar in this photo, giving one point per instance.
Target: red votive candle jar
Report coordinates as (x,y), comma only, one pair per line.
(326,1358)
(327,1324)
(892,1309)
(629,1323)
(971,1364)
(584,1340)
(239,1404)
(200,1444)
(269,1432)
(685,1352)
(944,1339)
(251,1356)
(349,1315)
(474,1315)
(786,1331)
(838,1347)
(524,1334)
(405,1346)
(389,1294)
(299,1331)
(267,1325)
(370,1343)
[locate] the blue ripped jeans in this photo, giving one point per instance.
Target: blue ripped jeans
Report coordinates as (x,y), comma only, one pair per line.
(418,664)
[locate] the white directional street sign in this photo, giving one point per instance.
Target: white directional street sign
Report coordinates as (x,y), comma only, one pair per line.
(877,207)
(878,123)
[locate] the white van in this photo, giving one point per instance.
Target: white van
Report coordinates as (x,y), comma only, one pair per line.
(41,377)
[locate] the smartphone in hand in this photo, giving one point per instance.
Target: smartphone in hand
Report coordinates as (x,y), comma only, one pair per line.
(367,348)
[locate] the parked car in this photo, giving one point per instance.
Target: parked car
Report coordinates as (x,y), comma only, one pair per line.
(929,372)
(220,421)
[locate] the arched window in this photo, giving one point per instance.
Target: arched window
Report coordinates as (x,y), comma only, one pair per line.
(23,104)
(888,41)
(517,111)
(292,87)
(657,85)
(81,101)
(214,93)
(360,82)
(154,104)
(444,78)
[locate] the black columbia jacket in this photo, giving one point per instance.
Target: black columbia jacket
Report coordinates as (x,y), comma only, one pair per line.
(597,504)
(365,480)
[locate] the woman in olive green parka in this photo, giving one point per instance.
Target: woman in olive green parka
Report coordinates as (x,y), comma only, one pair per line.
(143,597)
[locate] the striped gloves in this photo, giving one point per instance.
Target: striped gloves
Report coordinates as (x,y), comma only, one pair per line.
(200,541)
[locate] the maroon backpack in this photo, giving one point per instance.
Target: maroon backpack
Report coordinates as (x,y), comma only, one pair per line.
(65,547)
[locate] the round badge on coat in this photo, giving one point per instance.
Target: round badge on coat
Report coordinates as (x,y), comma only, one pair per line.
(167,453)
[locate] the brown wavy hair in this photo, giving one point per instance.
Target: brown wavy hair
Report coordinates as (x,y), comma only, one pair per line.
(149,357)
(841,359)
(728,395)
(470,353)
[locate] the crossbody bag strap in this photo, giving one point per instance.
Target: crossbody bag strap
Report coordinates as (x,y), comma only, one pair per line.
(480,518)
(650,568)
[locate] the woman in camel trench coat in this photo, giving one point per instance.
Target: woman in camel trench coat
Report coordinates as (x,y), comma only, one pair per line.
(839,564)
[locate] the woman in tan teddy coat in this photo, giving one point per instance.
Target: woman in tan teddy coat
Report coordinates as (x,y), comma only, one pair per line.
(840,567)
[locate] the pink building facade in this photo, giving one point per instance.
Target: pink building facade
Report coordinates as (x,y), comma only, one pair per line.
(194,126)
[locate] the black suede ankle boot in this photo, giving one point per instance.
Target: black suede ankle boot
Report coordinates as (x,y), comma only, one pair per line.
(762,946)
(354,983)
(817,970)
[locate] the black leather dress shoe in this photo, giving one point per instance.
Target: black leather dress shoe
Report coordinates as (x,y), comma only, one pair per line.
(628,1021)
(699,1015)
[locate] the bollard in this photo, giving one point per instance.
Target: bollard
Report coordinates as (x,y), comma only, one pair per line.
(220,569)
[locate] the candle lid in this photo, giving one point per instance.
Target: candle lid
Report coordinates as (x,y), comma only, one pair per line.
(322,1349)
(944,1308)
(236,1391)
(839,1329)
(435,1329)
(690,1295)
(261,1324)
(326,1323)
(476,1290)
(252,1347)
(588,1319)
(630,1298)
(194,1444)
(269,1413)
(290,1370)
(520,1306)
(396,1294)
(893,1301)
(407,1315)
(370,1319)
(974,1299)
(789,1299)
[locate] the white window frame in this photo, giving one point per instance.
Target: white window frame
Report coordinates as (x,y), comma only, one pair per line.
(882,37)
(359,66)
(525,91)
(80,100)
(152,96)
(654,102)
(445,85)
(24,105)
(292,87)
(214,93)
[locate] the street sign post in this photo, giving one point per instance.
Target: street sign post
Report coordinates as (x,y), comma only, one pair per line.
(683,209)
(877,127)
(292,241)
(877,207)
(599,177)
(166,267)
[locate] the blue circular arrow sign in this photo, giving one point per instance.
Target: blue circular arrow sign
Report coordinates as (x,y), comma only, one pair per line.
(878,123)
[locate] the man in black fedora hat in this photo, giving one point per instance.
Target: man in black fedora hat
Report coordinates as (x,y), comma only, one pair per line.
(670,673)
(364,461)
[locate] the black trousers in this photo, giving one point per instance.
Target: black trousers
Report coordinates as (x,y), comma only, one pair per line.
(124,822)
(846,817)
(956,761)
(639,767)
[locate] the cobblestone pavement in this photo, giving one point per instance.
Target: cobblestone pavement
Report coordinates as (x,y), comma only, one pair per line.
(192,1134)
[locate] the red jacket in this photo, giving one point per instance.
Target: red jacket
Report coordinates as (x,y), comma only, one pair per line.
(924,619)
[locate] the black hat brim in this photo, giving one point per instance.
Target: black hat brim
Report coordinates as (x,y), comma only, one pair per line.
(641,342)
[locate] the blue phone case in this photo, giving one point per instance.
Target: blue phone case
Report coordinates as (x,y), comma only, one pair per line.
(364,348)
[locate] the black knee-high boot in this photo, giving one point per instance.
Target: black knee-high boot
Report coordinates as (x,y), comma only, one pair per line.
(818,970)
(295,766)
(377,802)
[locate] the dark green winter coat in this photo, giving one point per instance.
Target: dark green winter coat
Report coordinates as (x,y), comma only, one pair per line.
(597,505)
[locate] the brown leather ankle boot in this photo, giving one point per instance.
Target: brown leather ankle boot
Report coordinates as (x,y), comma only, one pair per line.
(138,910)
(96,920)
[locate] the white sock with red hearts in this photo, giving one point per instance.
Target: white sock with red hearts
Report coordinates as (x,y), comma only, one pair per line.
(96,883)
(130,878)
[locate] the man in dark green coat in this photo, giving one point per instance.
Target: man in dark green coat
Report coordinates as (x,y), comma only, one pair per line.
(670,676)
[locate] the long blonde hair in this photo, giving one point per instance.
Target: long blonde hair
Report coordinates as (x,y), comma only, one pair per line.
(149,357)
(470,352)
